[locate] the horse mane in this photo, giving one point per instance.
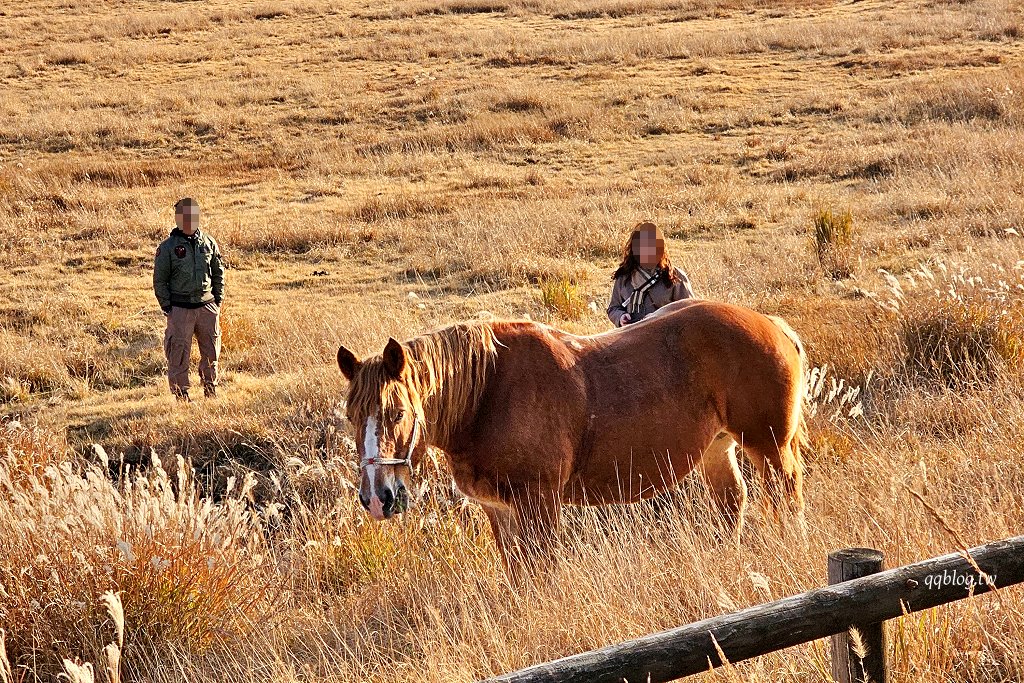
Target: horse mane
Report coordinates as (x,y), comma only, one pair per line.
(445,372)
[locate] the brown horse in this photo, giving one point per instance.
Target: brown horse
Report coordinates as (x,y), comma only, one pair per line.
(531,417)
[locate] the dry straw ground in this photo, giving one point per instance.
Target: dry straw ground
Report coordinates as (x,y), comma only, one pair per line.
(489,155)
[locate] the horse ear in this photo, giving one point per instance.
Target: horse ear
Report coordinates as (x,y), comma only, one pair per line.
(394,359)
(348,363)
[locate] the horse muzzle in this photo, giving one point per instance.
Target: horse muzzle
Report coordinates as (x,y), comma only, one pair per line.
(387,503)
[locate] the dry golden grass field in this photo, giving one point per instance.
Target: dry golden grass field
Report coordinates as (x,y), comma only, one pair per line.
(376,169)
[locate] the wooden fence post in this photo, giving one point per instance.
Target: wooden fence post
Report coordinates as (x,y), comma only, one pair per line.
(848,664)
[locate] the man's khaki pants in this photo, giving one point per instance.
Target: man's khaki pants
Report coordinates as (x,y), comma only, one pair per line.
(182,324)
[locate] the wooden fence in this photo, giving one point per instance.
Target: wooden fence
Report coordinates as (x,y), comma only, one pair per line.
(864,603)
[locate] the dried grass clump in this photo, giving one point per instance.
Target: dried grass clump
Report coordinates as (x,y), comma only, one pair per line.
(30,449)
(71,55)
(834,241)
(957,331)
(149,24)
(399,207)
(962,343)
(988,97)
(191,574)
(562,297)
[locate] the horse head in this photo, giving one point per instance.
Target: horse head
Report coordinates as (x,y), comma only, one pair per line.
(386,411)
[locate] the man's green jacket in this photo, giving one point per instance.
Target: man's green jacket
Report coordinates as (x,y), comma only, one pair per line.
(188,271)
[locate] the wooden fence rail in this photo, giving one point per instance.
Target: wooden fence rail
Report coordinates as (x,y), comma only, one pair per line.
(791,621)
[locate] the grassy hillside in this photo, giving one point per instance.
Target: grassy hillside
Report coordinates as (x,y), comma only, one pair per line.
(383,169)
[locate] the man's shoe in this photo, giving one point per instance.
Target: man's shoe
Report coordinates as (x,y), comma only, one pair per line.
(210,390)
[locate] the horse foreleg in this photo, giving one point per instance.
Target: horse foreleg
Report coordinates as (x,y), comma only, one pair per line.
(503,529)
(722,474)
(537,516)
(523,532)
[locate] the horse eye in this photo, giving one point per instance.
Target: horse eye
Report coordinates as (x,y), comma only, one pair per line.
(399,415)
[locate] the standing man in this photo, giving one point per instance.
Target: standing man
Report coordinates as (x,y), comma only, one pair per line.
(188,279)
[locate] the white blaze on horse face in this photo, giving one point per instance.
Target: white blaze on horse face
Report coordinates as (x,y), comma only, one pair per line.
(371,451)
(370,442)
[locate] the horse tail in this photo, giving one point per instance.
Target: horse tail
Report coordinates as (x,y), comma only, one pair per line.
(801,440)
(792,336)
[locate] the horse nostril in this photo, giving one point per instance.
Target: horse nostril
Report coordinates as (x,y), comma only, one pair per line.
(387,500)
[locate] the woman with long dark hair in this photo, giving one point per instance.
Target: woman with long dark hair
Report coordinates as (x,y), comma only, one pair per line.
(645,280)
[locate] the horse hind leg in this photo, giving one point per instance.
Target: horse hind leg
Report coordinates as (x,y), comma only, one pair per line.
(781,468)
(786,486)
(720,470)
